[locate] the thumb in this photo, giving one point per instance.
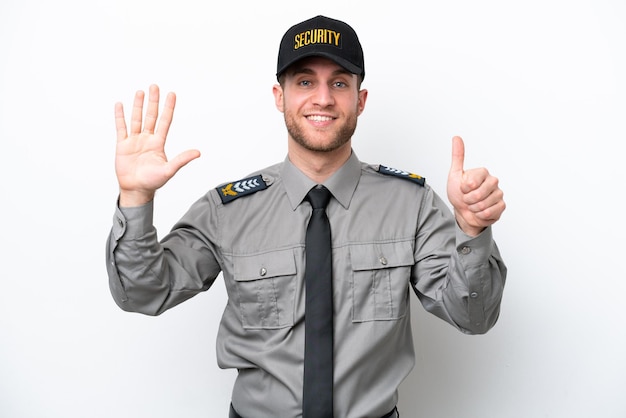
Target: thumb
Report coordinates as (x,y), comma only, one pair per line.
(182,160)
(458,154)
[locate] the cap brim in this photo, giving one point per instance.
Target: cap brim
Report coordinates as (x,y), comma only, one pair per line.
(338,60)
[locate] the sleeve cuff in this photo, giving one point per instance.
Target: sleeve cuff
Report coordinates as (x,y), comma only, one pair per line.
(132,222)
(474,250)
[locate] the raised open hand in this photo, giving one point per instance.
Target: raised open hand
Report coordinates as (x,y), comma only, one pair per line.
(141,165)
(477,200)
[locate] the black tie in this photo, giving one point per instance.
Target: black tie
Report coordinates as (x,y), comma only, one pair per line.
(317,401)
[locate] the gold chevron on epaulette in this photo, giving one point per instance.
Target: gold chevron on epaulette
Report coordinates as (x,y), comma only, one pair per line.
(240,188)
(415,178)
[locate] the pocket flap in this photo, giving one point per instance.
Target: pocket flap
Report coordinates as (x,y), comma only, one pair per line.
(374,256)
(264,266)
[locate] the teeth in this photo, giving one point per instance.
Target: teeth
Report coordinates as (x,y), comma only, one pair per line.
(317,118)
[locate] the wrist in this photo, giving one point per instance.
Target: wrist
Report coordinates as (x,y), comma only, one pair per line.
(470,230)
(134,198)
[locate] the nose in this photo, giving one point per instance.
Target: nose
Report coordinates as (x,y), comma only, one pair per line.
(323,96)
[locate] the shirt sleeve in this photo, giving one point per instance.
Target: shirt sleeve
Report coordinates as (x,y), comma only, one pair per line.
(458,278)
(148,276)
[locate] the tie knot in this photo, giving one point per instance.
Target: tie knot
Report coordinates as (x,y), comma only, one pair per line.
(318,197)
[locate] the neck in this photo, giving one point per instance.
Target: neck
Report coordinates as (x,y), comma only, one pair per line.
(318,165)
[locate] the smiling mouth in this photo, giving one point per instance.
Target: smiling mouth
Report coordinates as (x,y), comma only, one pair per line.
(319,118)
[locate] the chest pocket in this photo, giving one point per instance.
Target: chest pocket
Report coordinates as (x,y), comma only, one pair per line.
(380,280)
(266,288)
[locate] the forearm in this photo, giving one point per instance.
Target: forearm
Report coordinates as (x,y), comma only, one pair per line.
(457,277)
(147,276)
(134,262)
(476,279)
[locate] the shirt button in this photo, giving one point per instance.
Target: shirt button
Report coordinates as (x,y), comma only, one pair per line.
(466,250)
(383,261)
(473,295)
(120,222)
(263,271)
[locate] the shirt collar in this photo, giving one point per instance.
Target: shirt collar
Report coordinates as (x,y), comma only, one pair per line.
(341,184)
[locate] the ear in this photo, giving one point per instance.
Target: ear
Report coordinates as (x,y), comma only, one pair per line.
(278,97)
(362,100)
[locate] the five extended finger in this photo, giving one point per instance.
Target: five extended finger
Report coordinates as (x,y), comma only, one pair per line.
(136,116)
(152,111)
(182,160)
(167,115)
(120,122)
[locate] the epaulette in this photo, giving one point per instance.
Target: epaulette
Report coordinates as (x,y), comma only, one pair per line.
(240,188)
(415,178)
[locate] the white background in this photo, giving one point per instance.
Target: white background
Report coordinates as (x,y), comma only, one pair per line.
(536,88)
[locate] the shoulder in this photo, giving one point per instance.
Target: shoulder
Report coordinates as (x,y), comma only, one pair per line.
(390,173)
(251,184)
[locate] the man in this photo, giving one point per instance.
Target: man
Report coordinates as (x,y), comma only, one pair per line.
(254,231)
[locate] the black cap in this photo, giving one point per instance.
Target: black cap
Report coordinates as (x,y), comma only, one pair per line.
(322,37)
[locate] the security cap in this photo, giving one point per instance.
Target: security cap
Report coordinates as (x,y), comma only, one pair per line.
(322,37)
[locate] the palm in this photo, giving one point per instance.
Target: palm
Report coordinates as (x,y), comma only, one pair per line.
(141,164)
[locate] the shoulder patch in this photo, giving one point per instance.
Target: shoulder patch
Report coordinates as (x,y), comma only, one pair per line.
(237,189)
(415,178)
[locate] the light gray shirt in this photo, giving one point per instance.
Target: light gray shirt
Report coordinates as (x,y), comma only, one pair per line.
(388,235)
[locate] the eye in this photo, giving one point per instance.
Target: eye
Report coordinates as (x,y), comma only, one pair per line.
(304,83)
(340,84)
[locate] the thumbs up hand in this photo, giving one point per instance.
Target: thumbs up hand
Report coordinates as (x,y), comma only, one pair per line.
(474,194)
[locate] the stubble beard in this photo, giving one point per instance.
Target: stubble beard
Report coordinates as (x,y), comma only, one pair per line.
(342,135)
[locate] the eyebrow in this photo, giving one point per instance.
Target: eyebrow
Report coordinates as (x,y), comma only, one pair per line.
(307,70)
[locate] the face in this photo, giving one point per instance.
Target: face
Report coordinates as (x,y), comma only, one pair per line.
(321,103)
